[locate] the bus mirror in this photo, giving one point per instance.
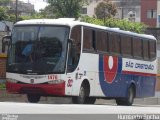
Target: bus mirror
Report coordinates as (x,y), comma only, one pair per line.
(5,43)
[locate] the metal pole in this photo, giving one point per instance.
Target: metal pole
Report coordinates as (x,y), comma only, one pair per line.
(122,13)
(104,16)
(16,10)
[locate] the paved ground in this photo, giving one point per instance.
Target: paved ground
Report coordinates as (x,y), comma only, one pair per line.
(28,111)
(52,100)
(28,108)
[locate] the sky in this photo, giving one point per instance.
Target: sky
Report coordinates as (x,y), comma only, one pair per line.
(38,4)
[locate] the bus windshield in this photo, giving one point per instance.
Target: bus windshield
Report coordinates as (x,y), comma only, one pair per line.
(38,49)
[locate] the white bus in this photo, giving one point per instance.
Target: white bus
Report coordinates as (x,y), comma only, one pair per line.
(64,57)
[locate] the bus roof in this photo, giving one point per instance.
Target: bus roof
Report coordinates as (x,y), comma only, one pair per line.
(72,22)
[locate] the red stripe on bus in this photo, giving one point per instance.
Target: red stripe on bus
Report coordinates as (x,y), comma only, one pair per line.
(45,89)
(138,73)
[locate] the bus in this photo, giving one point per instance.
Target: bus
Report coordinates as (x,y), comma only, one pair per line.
(68,58)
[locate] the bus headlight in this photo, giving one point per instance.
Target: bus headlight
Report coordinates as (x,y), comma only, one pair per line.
(55,81)
(11,80)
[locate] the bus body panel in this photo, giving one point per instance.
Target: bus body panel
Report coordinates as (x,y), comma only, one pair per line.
(42,89)
(115,77)
(35,83)
(108,76)
(86,70)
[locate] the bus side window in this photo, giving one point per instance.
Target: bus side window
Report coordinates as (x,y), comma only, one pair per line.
(114,43)
(137,48)
(126,46)
(145,49)
(88,39)
(152,49)
(102,41)
(74,49)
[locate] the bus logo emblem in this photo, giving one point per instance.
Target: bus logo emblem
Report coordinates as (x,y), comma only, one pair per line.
(110,68)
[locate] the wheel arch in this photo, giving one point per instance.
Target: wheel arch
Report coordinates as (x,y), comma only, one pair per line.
(77,85)
(86,83)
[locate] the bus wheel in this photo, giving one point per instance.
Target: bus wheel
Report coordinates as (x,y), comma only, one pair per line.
(128,101)
(32,98)
(82,96)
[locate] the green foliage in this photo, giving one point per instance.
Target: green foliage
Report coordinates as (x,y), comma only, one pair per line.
(12,18)
(92,20)
(116,23)
(106,9)
(33,16)
(66,8)
(3,13)
(5,16)
(2,86)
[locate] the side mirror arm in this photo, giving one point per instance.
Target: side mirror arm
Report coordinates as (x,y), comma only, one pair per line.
(5,40)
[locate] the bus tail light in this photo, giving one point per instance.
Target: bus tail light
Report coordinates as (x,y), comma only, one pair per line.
(55,81)
(11,80)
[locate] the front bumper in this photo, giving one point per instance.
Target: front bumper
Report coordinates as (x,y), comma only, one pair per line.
(42,89)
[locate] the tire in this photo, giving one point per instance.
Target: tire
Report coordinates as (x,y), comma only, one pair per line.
(120,101)
(32,98)
(128,101)
(90,100)
(82,96)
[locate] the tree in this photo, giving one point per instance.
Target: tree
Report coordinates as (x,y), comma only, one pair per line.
(116,23)
(67,8)
(6,16)
(48,12)
(4,2)
(106,9)
(3,13)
